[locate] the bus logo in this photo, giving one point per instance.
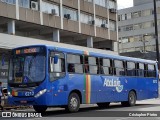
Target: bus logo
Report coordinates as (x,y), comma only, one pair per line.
(113,83)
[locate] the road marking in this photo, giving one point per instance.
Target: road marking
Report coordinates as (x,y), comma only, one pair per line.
(124,118)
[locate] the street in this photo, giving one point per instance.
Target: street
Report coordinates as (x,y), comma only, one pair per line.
(114,112)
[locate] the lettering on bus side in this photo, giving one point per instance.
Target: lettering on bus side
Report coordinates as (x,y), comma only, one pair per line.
(113,83)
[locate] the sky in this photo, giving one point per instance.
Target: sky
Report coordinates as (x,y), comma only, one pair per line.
(124,3)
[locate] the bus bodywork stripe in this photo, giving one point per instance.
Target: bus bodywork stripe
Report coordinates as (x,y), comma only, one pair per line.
(87,84)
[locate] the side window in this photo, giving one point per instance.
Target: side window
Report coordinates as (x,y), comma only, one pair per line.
(119,68)
(91,65)
(140,70)
(131,69)
(57,70)
(151,72)
(75,63)
(105,66)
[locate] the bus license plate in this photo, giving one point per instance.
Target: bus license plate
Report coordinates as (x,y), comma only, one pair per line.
(23,102)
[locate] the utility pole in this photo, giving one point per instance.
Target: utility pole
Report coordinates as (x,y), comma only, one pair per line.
(156,32)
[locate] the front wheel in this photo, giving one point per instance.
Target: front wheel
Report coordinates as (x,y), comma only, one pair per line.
(40,108)
(73,103)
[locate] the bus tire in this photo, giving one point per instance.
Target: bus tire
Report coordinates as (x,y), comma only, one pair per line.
(73,103)
(131,100)
(103,105)
(40,108)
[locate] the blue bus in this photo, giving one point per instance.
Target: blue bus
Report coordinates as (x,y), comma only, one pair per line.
(50,76)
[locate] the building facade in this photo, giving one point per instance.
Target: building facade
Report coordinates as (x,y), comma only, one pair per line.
(137,30)
(90,23)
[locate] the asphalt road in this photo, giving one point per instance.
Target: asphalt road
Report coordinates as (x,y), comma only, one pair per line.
(144,108)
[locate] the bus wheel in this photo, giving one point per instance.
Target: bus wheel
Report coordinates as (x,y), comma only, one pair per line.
(40,108)
(73,103)
(131,100)
(103,105)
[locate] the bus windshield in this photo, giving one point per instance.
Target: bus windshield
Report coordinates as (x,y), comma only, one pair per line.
(27,69)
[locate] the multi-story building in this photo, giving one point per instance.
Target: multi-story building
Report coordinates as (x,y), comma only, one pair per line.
(90,23)
(137,30)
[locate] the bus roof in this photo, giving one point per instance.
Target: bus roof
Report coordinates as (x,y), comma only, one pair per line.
(93,51)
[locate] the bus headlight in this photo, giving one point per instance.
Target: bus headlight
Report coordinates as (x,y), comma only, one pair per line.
(9,94)
(40,93)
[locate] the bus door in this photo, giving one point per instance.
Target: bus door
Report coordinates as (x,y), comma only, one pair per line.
(57,77)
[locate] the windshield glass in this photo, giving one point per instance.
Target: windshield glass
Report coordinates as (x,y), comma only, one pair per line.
(27,69)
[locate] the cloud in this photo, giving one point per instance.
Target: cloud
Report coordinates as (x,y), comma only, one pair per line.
(124,3)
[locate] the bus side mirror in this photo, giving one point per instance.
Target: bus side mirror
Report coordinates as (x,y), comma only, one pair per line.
(55,59)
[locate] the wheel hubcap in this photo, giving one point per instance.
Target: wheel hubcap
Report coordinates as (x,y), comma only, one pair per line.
(74,103)
(131,98)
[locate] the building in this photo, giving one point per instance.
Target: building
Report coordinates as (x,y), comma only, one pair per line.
(137,30)
(90,23)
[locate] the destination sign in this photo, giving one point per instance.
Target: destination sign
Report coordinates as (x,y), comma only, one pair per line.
(29,50)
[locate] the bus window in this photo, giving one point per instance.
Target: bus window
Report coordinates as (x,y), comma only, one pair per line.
(131,69)
(105,66)
(119,68)
(75,63)
(151,72)
(140,70)
(57,70)
(91,65)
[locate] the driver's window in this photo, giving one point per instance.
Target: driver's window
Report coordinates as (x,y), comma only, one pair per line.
(57,69)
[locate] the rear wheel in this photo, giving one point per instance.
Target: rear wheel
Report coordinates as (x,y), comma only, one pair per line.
(73,103)
(131,99)
(103,105)
(40,108)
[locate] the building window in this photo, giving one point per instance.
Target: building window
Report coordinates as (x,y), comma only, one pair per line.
(147,24)
(146,12)
(112,4)
(129,28)
(137,26)
(138,38)
(86,18)
(9,1)
(123,17)
(24,3)
(129,16)
(112,25)
(73,13)
(102,3)
(119,17)
(136,14)
(100,21)
(124,40)
(50,8)
(88,0)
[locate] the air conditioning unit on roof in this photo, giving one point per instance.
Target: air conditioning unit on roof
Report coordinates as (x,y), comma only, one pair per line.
(53,12)
(104,25)
(34,5)
(92,22)
(68,16)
